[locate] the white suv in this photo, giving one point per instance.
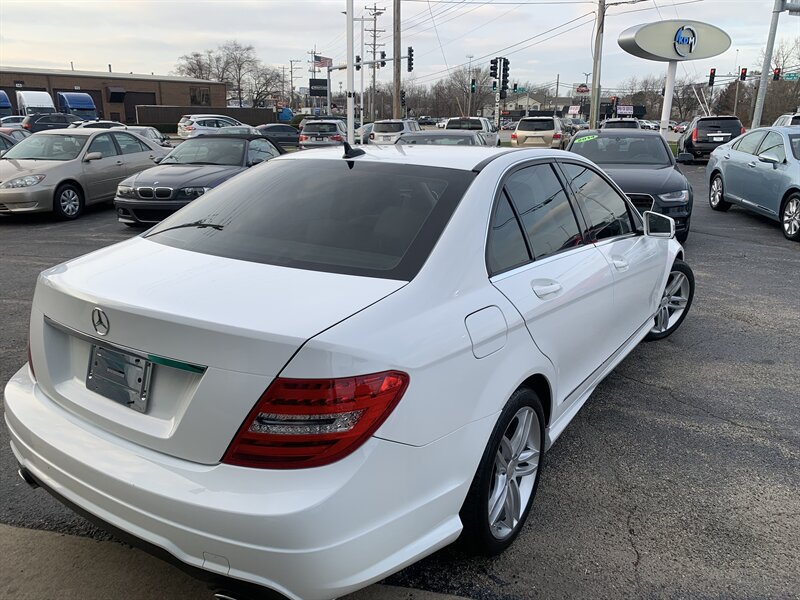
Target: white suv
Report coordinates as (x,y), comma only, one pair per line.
(389,130)
(193,125)
(482,124)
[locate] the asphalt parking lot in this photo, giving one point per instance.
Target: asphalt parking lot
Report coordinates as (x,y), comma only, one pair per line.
(678,479)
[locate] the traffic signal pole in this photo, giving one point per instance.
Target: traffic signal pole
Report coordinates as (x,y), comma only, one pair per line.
(350,76)
(396,109)
(765,69)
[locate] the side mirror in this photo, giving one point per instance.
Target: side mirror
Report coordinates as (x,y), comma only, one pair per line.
(658,226)
(685,157)
(158,159)
(770,158)
(92,156)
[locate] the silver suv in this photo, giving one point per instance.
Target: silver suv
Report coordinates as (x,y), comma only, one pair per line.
(787,120)
(481,124)
(389,130)
(193,125)
(322,132)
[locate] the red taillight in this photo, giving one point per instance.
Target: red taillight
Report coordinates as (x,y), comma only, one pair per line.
(556,136)
(336,138)
(303,138)
(300,423)
(694,135)
(743,129)
(513,136)
(26,125)
(188,128)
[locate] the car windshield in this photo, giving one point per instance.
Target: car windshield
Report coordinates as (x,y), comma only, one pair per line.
(277,215)
(208,151)
(536,125)
(47,147)
(470,124)
(794,142)
(387,127)
(443,140)
(320,128)
(622,150)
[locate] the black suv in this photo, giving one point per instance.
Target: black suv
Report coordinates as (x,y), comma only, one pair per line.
(704,134)
(44,121)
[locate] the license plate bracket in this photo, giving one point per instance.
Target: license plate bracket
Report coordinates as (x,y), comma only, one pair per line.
(120,376)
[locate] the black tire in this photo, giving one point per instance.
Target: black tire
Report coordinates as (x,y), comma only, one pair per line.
(789,212)
(717,203)
(477,537)
(680,267)
(68,202)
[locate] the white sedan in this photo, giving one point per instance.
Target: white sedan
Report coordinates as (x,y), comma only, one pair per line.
(307,387)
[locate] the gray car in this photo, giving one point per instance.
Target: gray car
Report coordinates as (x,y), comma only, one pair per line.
(64,170)
(322,132)
(443,138)
(760,171)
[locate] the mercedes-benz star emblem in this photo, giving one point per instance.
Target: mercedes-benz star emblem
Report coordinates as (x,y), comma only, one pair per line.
(100,321)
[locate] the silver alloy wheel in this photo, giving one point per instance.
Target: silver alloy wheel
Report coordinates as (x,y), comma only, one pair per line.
(791,217)
(70,202)
(715,194)
(673,302)
(514,472)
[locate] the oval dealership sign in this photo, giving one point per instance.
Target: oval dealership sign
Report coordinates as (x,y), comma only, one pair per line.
(674,40)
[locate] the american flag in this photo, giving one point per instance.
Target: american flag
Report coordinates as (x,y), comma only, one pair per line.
(321,62)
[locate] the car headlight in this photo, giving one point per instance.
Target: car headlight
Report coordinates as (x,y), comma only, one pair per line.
(125,191)
(21,182)
(192,192)
(679,196)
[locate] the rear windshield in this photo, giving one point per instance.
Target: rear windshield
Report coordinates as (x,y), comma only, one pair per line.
(796,120)
(320,128)
(536,125)
(731,125)
(622,149)
(207,151)
(388,127)
(275,214)
(443,140)
(621,125)
(470,124)
(794,142)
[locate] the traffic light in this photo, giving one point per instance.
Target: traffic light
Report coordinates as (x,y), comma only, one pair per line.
(493,68)
(504,78)
(514,89)
(711,75)
(383,58)
(776,74)
(743,74)
(473,87)
(410,65)
(358,63)
(494,86)
(402,97)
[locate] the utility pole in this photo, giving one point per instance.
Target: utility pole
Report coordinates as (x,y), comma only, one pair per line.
(780,6)
(350,75)
(469,82)
(396,109)
(292,78)
(555,102)
(313,71)
(283,82)
(374,12)
(361,71)
(598,54)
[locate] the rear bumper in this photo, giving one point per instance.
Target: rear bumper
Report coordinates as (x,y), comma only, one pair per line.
(146,212)
(308,534)
(702,148)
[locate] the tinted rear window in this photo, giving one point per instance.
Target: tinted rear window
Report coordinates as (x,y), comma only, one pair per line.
(794,142)
(796,120)
(536,125)
(388,127)
(443,140)
(276,214)
(726,125)
(621,125)
(469,124)
(321,128)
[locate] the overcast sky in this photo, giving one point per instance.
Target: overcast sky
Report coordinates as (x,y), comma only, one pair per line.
(147,36)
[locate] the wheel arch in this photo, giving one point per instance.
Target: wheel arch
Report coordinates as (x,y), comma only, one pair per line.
(714,172)
(786,195)
(541,385)
(74,182)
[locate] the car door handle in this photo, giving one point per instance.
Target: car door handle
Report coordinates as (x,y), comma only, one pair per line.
(620,265)
(546,289)
(726,156)
(119,162)
(752,163)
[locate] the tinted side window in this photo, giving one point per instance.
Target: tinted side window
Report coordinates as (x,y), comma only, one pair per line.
(605,211)
(5,143)
(750,142)
(506,248)
(104,144)
(544,210)
(129,144)
(773,144)
(261,150)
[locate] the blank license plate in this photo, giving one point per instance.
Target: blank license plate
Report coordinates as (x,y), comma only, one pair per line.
(120,376)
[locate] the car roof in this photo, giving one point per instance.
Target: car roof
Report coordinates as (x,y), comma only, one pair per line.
(623,119)
(535,118)
(465,158)
(226,136)
(393,120)
(87,131)
(328,120)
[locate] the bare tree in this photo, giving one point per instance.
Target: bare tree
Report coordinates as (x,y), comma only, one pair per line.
(263,83)
(240,61)
(195,64)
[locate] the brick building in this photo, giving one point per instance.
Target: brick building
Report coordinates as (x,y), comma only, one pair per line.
(115,94)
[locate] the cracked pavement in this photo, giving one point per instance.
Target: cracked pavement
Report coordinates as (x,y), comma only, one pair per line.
(678,479)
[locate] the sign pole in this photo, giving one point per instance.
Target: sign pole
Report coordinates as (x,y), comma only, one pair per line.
(766,68)
(669,89)
(594,107)
(328,95)
(350,75)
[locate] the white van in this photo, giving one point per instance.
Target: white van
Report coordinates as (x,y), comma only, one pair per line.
(29,103)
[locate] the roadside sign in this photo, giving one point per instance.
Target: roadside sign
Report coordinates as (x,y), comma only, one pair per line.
(580,89)
(318,87)
(521,90)
(574,110)
(791,76)
(624,110)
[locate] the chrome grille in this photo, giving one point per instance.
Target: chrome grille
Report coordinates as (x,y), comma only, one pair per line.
(642,202)
(144,192)
(159,193)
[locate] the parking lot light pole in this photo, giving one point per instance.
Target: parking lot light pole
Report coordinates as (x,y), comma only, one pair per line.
(350,75)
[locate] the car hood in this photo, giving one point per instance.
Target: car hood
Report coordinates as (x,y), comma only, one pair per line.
(11,168)
(645,179)
(176,176)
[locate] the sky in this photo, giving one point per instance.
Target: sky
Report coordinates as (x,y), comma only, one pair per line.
(148,36)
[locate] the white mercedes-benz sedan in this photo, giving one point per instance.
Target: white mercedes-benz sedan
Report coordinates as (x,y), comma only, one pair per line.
(331,366)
